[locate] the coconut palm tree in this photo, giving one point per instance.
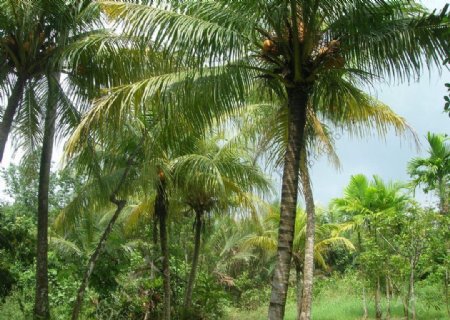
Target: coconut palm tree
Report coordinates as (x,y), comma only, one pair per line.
(51,44)
(377,117)
(110,181)
(24,49)
(158,139)
(311,52)
(434,172)
(32,40)
(115,165)
(37,66)
(208,179)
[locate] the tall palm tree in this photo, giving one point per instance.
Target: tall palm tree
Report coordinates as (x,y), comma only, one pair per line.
(32,40)
(377,117)
(62,38)
(434,172)
(311,52)
(42,40)
(24,48)
(44,97)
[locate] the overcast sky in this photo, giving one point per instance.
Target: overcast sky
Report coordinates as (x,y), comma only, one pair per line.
(420,102)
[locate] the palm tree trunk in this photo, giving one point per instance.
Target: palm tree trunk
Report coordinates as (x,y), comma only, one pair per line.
(193,273)
(299,282)
(308,271)
(10,111)
(94,257)
(297,102)
(378,312)
(161,211)
(41,307)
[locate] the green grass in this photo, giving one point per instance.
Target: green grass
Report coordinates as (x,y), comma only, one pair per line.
(344,308)
(338,300)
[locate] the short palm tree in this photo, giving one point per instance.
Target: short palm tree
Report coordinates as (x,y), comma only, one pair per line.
(212,177)
(151,141)
(311,52)
(434,172)
(110,181)
(364,205)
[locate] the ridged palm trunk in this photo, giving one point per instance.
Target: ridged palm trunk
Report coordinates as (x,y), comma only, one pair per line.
(10,111)
(308,271)
(94,257)
(162,213)
(194,266)
(41,307)
(297,103)
(298,281)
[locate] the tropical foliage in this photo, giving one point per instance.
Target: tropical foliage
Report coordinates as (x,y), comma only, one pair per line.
(174,117)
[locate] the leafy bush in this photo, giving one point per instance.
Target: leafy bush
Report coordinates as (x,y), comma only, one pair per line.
(209,300)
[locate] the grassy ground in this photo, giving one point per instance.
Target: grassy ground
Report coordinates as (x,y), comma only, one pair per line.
(339,302)
(337,309)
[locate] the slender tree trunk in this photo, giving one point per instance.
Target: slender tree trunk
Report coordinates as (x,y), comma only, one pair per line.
(446,285)
(41,307)
(94,257)
(10,111)
(443,196)
(299,282)
(308,272)
(155,231)
(120,204)
(360,246)
(406,308)
(297,103)
(162,212)
(366,312)
(388,298)
(412,298)
(378,311)
(193,273)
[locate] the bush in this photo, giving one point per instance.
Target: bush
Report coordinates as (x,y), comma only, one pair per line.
(209,300)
